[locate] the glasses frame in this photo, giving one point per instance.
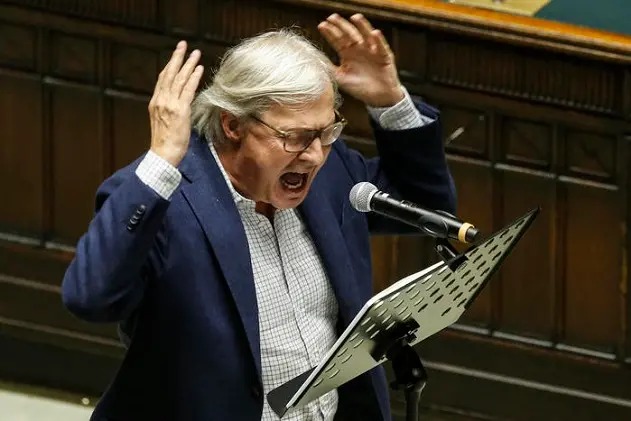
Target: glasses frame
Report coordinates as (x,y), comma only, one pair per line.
(284,134)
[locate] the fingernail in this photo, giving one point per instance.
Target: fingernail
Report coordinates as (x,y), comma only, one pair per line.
(180,44)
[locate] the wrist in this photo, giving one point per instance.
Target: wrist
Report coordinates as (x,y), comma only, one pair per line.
(389,99)
(172,155)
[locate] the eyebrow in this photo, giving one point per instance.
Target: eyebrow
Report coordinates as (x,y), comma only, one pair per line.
(293,129)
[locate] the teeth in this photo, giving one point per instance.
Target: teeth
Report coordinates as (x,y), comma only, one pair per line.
(293,186)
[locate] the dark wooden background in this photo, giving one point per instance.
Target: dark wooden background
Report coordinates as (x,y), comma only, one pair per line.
(548,122)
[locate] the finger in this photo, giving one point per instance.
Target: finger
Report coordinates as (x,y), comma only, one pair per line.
(188,92)
(173,66)
(383,48)
(364,27)
(332,34)
(182,77)
(158,87)
(350,33)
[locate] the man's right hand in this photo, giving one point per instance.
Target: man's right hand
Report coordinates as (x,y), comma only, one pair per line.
(170,106)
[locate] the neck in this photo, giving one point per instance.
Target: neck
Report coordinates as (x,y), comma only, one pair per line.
(266,210)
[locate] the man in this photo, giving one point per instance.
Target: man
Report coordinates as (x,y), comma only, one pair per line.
(230,254)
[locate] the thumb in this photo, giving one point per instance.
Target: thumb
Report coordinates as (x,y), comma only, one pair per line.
(332,66)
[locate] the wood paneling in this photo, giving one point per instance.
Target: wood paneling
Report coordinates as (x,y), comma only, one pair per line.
(18,46)
(141,13)
(33,263)
(542,118)
(534,76)
(134,68)
(21,154)
(130,130)
(594,249)
(526,144)
(474,184)
(528,294)
(18,298)
(77,156)
(73,57)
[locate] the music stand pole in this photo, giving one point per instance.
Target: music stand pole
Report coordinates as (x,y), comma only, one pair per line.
(410,375)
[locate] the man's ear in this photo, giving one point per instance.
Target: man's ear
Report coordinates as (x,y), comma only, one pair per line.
(231,126)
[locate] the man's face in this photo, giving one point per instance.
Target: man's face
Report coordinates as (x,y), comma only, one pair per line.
(264,171)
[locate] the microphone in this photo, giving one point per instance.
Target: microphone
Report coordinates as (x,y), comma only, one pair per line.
(365,197)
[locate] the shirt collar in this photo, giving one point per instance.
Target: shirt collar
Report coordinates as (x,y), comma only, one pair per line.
(239,199)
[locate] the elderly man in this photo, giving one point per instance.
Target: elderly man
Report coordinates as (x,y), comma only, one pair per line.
(229,253)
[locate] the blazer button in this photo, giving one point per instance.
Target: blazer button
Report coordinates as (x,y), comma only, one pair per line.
(141,210)
(256,392)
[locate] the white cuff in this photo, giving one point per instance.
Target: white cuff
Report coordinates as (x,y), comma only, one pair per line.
(158,174)
(401,116)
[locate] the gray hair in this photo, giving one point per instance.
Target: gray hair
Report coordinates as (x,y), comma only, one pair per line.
(277,67)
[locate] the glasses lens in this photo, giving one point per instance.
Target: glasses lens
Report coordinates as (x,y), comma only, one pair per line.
(330,134)
(299,140)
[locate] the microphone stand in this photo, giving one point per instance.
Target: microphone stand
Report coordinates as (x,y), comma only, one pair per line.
(409,373)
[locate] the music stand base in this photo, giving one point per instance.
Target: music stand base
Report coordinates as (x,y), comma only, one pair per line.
(409,374)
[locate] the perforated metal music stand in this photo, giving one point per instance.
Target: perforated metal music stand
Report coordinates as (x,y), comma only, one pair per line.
(401,316)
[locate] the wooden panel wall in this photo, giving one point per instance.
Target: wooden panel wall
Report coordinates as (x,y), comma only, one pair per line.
(543,126)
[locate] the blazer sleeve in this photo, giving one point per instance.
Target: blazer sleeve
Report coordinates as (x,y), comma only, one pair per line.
(121,250)
(411,165)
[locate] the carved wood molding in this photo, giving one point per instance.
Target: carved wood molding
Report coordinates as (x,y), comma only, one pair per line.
(437,57)
(512,29)
(141,13)
(523,30)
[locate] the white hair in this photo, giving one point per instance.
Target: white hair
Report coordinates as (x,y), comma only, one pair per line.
(277,67)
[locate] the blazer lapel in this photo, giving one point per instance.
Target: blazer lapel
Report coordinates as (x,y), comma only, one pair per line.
(212,203)
(321,220)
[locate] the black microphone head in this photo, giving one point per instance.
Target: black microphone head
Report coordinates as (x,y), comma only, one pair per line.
(361,194)
(471,235)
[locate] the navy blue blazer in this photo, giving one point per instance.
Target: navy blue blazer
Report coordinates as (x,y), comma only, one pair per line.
(177,277)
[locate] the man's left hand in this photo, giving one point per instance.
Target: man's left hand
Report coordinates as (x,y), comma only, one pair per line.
(367,69)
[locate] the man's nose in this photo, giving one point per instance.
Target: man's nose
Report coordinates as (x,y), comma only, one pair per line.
(314,153)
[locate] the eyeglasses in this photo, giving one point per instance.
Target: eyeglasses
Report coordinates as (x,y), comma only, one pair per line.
(295,141)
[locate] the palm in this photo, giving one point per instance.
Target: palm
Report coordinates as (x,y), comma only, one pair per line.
(359,73)
(367,69)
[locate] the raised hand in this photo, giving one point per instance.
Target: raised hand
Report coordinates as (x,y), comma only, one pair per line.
(367,67)
(170,106)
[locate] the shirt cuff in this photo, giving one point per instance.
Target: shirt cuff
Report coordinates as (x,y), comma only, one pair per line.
(401,116)
(158,174)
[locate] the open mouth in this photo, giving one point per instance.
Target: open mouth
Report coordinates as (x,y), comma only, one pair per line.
(294,180)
